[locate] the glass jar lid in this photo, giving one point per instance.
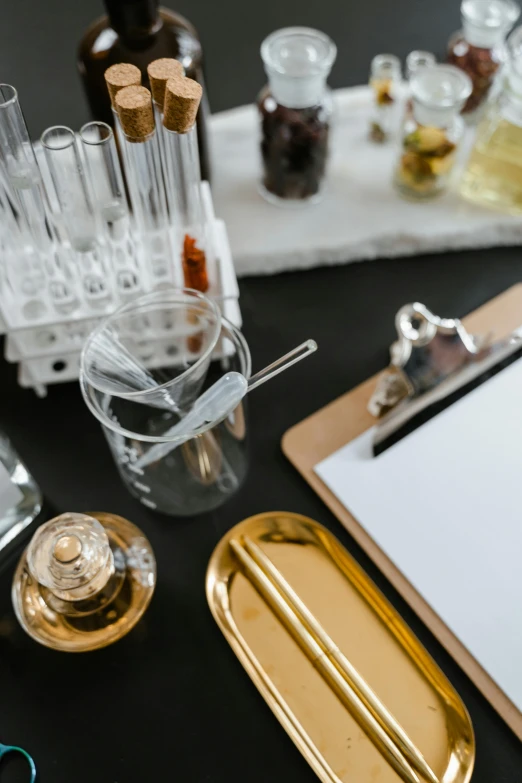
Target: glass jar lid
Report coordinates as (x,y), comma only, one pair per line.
(486,22)
(297,62)
(439,93)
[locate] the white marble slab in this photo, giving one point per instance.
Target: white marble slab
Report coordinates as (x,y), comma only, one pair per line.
(360,217)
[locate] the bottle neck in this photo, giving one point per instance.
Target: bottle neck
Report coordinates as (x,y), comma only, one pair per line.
(133,19)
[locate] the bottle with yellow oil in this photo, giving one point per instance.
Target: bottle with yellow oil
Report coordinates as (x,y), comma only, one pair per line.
(432,132)
(493,174)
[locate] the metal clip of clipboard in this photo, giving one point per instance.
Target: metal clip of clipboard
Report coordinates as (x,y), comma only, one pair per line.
(434,363)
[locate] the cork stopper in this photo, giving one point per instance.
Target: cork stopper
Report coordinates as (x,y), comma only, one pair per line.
(182,99)
(134,108)
(119,76)
(160,71)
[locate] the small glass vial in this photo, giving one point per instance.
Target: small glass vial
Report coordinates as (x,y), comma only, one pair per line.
(493,174)
(385,78)
(416,61)
(479,48)
(20,497)
(431,134)
(295,113)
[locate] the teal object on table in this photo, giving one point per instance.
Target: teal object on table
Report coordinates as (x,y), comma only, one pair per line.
(5,749)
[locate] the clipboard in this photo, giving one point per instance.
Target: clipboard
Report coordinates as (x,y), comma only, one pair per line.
(343,420)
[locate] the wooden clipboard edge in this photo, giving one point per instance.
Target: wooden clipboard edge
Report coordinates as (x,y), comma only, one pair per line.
(308,442)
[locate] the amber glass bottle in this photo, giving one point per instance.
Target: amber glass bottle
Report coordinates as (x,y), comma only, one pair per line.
(138,32)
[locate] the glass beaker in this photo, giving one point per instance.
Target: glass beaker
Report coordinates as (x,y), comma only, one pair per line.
(295,111)
(198,474)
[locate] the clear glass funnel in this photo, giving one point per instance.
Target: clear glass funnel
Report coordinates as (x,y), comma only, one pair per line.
(153,351)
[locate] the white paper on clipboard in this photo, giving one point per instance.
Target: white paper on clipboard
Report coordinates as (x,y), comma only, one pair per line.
(445,505)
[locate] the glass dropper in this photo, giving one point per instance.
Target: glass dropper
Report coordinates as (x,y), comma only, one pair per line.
(221,399)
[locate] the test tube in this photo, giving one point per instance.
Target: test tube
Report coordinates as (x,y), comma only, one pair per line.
(39,266)
(145,180)
(20,167)
(110,202)
(182,99)
(77,215)
(159,73)
(116,78)
(24,204)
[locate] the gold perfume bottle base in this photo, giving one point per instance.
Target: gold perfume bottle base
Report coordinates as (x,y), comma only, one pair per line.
(90,631)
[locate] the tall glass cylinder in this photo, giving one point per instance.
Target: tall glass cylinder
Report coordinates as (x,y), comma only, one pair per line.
(78,216)
(110,203)
(145,181)
(38,272)
(25,214)
(21,170)
(184,177)
(159,73)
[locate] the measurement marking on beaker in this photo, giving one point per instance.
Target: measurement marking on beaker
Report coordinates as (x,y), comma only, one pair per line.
(142,487)
(148,503)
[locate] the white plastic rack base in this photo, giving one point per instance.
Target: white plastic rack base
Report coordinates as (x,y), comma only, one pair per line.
(48,349)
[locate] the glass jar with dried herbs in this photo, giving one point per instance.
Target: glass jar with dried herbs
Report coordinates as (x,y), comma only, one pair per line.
(432,132)
(385,78)
(479,49)
(295,112)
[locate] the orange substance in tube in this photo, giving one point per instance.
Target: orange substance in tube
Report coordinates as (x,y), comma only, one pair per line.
(194,265)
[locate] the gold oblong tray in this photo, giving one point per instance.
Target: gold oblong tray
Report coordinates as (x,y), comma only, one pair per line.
(352,614)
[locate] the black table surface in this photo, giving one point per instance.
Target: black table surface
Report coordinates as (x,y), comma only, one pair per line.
(171,700)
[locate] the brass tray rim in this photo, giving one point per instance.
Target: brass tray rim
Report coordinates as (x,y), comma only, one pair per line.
(261,680)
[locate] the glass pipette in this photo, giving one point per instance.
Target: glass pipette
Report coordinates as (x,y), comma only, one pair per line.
(220,399)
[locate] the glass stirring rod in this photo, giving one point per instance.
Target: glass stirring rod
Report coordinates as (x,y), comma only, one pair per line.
(222,398)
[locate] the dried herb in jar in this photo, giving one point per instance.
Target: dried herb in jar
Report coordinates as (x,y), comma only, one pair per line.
(428,155)
(294,148)
(481,65)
